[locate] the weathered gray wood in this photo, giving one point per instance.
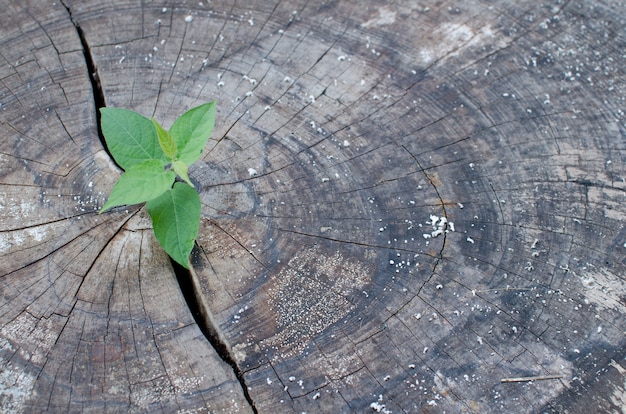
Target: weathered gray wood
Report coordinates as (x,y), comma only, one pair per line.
(91,316)
(342,130)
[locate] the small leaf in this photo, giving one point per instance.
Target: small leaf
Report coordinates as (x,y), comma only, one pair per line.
(176,219)
(192,131)
(165,140)
(130,137)
(181,169)
(141,182)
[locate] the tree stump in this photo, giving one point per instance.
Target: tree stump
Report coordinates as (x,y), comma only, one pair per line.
(409,207)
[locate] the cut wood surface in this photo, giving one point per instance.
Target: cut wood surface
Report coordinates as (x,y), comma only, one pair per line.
(407,207)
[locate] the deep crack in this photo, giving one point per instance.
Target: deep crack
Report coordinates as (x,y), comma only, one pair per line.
(208,327)
(184,277)
(94,78)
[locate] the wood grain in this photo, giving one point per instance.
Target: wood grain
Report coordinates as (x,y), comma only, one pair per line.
(403,204)
(91,317)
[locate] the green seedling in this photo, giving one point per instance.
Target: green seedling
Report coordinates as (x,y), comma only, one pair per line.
(152,159)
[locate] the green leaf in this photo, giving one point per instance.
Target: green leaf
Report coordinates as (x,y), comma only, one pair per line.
(192,131)
(130,137)
(165,140)
(176,219)
(141,182)
(181,169)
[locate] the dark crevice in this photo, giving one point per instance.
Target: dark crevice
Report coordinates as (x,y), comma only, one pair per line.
(208,327)
(94,78)
(184,276)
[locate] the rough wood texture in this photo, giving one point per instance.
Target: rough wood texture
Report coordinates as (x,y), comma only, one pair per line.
(345,132)
(91,315)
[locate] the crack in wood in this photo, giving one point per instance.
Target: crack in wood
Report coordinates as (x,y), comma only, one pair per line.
(202,315)
(197,307)
(356,243)
(96,87)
